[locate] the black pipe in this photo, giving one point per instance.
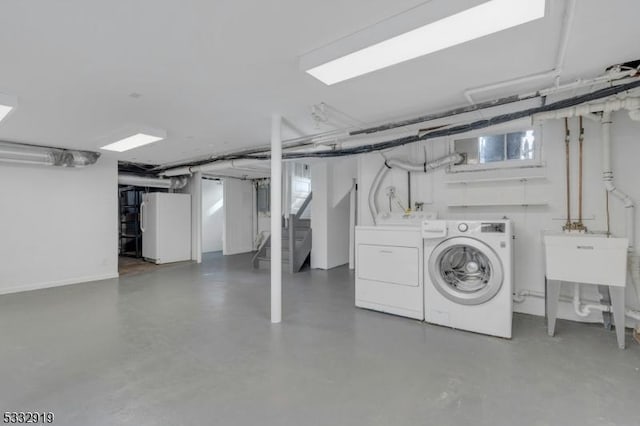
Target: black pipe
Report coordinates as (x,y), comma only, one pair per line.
(450,131)
(435,116)
(409,190)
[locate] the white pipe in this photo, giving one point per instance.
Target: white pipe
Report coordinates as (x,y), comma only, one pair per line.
(151,182)
(276,218)
(630,104)
(608,178)
(520,296)
(407,166)
(328,145)
(254,215)
(373,192)
(606,108)
(352,225)
(196,217)
(212,167)
(468,94)
(584,310)
(567,23)
(612,77)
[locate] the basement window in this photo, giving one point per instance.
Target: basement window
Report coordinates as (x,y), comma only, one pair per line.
(490,151)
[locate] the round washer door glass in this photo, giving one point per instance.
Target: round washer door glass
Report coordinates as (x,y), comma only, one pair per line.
(465,270)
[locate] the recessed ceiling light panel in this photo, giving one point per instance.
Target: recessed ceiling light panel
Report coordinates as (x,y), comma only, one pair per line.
(479,21)
(134,141)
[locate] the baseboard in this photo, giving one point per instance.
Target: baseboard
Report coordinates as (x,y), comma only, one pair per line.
(60,283)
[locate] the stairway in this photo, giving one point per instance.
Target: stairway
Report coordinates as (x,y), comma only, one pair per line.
(296,243)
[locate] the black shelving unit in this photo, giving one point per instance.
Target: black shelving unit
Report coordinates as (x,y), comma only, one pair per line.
(130,234)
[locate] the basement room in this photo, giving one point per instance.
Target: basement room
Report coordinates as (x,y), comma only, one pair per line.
(296,213)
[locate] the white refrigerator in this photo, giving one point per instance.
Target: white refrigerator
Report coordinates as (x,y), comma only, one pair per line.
(165,222)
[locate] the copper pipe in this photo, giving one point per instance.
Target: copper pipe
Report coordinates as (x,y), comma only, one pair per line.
(567,139)
(580,174)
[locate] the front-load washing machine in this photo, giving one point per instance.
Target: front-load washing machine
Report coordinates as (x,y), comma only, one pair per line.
(468,278)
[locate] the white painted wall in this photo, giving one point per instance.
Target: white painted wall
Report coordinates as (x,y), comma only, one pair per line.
(212,215)
(331,181)
(532,220)
(58,226)
(239,211)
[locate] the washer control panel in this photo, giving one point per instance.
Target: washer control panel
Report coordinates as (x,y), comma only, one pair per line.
(494,228)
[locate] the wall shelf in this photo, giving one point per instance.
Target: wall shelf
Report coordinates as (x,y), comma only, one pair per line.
(492,180)
(498,191)
(505,204)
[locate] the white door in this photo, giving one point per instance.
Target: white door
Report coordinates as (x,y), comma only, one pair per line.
(465,270)
(174,227)
(212,215)
(149,226)
(238,216)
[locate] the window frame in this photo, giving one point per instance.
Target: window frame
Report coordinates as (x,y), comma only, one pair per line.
(537,161)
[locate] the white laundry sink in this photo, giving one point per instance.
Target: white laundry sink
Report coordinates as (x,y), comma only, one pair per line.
(586,258)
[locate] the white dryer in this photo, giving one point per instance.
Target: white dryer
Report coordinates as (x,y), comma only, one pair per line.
(389,271)
(469,275)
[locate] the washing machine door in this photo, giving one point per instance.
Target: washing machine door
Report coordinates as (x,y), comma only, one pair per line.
(465,270)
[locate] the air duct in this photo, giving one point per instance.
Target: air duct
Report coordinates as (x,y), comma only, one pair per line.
(152,182)
(410,167)
(241,164)
(30,154)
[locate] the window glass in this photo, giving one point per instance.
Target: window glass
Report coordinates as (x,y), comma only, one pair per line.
(520,145)
(491,148)
(469,149)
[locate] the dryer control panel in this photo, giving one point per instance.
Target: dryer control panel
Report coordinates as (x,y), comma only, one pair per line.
(434,229)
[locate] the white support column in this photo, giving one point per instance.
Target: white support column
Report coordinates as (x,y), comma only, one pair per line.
(352,225)
(276,218)
(196,217)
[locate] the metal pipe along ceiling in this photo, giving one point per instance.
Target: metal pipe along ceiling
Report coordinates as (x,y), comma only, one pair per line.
(38,155)
(365,146)
(152,182)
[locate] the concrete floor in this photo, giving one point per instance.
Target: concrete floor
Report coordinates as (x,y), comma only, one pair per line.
(192,344)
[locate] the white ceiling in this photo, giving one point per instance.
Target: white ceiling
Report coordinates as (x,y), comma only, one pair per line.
(210,72)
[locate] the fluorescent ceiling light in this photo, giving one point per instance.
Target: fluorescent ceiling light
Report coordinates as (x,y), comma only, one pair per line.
(131,142)
(7,103)
(4,110)
(487,18)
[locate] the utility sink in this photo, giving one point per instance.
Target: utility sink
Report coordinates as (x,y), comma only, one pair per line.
(586,258)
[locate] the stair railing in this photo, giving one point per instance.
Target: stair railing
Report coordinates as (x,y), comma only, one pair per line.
(295,261)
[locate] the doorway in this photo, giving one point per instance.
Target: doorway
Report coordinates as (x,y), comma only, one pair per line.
(212,215)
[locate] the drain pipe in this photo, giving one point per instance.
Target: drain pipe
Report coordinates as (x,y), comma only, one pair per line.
(410,167)
(585,310)
(606,108)
(608,179)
